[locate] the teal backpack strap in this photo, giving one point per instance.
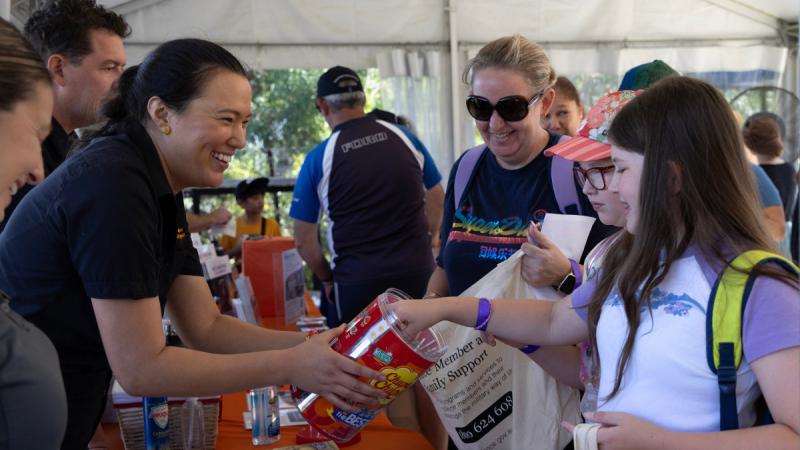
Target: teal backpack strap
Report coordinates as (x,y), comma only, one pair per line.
(724,326)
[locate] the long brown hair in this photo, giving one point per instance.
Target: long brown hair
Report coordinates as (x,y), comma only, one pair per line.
(20,67)
(680,125)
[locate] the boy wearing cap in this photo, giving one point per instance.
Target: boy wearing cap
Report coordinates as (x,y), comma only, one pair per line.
(372,180)
(250,196)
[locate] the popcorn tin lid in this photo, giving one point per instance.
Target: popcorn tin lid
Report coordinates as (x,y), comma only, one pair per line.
(427,343)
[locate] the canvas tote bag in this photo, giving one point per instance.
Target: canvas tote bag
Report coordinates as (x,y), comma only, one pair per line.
(495,397)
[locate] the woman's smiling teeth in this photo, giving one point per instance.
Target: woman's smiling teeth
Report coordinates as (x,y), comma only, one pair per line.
(222,157)
(501,135)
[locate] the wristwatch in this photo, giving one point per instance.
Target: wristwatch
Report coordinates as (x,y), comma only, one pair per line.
(567,285)
(571,280)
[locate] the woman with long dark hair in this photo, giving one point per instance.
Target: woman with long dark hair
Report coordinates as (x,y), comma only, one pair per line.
(98,252)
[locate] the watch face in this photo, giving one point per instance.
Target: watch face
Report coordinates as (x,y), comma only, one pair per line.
(567,284)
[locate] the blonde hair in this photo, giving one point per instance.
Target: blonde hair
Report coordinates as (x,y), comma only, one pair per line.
(516,53)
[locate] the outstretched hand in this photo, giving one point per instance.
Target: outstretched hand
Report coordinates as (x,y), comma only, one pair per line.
(318,368)
(623,431)
(543,264)
(416,315)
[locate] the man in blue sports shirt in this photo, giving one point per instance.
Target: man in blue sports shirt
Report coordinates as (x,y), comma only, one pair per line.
(372,180)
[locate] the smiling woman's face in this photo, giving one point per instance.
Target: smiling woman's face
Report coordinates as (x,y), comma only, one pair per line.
(207,133)
(23,129)
(512,142)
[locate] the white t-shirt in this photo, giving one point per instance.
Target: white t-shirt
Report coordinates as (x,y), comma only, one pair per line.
(667,380)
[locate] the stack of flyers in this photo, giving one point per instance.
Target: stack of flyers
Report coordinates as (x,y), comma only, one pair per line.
(292,417)
(306,324)
(325,445)
(285,400)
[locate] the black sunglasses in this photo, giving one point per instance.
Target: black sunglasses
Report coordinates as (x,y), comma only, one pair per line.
(512,108)
(596,176)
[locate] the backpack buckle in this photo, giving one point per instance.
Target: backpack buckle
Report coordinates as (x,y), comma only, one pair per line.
(726,376)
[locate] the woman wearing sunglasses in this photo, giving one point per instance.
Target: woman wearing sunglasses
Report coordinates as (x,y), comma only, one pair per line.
(510,83)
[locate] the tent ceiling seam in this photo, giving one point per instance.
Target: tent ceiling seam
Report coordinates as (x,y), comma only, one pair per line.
(765,19)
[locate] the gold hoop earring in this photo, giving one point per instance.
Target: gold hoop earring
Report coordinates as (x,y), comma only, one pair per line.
(166,130)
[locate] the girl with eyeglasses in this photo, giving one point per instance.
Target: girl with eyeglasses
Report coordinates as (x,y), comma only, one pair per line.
(690,207)
(510,86)
(589,147)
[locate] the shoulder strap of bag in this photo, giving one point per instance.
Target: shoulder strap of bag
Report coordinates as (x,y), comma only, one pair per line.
(263,226)
(464,171)
(724,325)
(563,181)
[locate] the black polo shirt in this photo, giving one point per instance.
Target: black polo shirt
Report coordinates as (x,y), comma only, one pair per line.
(54,152)
(104,225)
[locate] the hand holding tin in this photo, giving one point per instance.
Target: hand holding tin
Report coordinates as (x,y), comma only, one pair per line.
(318,368)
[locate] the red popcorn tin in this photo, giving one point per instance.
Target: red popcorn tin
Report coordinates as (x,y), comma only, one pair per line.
(374,338)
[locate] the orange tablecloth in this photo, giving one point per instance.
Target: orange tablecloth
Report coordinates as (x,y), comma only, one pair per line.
(379,435)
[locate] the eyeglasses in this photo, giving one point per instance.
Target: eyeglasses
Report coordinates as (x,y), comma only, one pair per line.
(512,108)
(595,176)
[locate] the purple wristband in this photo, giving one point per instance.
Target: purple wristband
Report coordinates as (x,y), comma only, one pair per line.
(484,313)
(528,349)
(576,270)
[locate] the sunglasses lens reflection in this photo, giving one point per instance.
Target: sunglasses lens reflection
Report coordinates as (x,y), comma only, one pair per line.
(512,109)
(479,108)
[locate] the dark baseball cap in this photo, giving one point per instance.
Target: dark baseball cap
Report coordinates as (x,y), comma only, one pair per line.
(251,186)
(642,76)
(338,80)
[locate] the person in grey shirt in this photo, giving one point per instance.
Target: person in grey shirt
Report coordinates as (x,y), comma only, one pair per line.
(33,405)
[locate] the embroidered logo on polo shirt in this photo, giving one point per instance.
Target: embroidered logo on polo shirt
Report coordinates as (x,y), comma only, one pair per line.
(364,141)
(181,234)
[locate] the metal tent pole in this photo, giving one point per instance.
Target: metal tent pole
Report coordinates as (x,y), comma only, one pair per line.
(455,123)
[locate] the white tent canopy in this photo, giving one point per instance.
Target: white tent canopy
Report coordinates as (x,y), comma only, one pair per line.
(271,34)
(420,46)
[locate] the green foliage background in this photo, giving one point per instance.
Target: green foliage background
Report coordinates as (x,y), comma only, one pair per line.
(287,125)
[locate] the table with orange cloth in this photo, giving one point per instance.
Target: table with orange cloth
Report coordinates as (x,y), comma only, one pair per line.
(380,434)
(232,435)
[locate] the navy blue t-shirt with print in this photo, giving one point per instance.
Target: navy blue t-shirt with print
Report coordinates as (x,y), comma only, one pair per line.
(496,210)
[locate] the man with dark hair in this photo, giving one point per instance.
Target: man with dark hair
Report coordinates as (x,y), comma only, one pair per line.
(372,179)
(81,45)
